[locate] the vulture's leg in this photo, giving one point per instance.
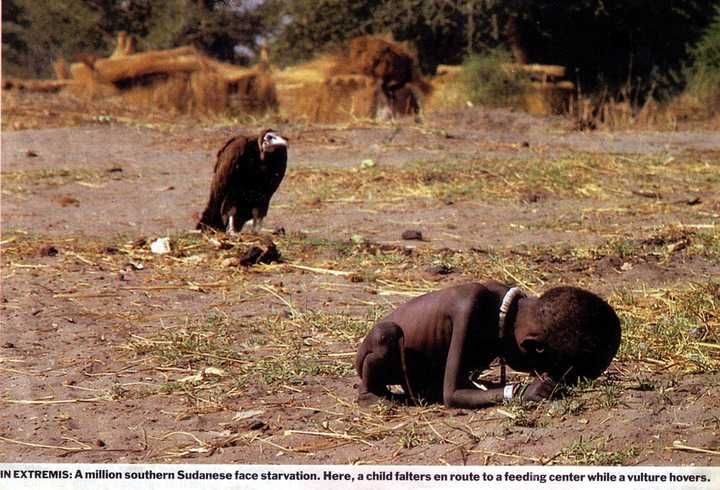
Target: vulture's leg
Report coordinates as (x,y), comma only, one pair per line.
(257,220)
(231,222)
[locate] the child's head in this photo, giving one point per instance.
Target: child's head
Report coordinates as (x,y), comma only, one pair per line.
(581,333)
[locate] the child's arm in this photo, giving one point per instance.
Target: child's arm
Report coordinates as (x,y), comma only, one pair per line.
(467,310)
(470,310)
(540,389)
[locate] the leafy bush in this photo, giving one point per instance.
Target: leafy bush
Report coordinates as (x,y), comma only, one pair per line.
(704,73)
(488,80)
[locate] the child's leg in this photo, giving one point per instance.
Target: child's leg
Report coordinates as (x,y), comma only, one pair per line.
(379,362)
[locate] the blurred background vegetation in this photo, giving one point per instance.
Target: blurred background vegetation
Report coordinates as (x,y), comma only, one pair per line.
(656,47)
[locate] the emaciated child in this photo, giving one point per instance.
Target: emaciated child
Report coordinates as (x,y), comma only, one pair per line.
(431,344)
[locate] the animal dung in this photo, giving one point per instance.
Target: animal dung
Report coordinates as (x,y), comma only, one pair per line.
(353,277)
(160,246)
(48,251)
(257,425)
(261,254)
(265,252)
(139,242)
(439,270)
(66,201)
(412,235)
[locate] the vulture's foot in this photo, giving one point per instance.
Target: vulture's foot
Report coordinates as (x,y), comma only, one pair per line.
(231,226)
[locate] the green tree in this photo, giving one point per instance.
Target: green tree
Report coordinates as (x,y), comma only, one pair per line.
(213,26)
(37,32)
(613,43)
(703,75)
(303,27)
(43,31)
(14,48)
(217,28)
(443,31)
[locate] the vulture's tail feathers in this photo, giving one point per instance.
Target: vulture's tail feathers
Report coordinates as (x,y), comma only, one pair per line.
(210,220)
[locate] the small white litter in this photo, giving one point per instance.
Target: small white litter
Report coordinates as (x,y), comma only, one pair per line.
(160,246)
(202,375)
(246,414)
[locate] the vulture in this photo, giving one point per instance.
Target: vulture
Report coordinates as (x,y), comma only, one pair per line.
(247,173)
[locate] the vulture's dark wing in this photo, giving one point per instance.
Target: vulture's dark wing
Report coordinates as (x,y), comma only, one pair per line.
(278,172)
(237,142)
(225,172)
(227,165)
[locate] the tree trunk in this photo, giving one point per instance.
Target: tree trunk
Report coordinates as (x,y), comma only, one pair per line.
(514,39)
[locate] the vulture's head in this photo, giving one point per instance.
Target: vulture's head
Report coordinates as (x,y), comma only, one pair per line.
(271,141)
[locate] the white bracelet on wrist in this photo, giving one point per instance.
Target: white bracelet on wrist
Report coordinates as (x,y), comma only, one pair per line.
(508,392)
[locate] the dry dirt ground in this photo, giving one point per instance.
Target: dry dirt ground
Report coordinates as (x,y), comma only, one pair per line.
(110,353)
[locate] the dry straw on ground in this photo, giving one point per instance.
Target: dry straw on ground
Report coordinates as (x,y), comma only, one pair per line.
(175,80)
(179,79)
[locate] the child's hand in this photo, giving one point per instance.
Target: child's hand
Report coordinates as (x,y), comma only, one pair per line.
(540,389)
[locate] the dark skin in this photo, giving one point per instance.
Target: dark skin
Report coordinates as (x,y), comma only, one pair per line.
(444,336)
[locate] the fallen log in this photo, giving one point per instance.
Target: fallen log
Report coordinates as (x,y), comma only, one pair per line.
(185,59)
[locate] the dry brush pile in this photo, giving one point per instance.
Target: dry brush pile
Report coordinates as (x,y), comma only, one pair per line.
(181,79)
(373,78)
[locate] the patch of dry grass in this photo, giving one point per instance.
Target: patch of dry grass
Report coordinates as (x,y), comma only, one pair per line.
(594,452)
(672,329)
(604,177)
(58,176)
